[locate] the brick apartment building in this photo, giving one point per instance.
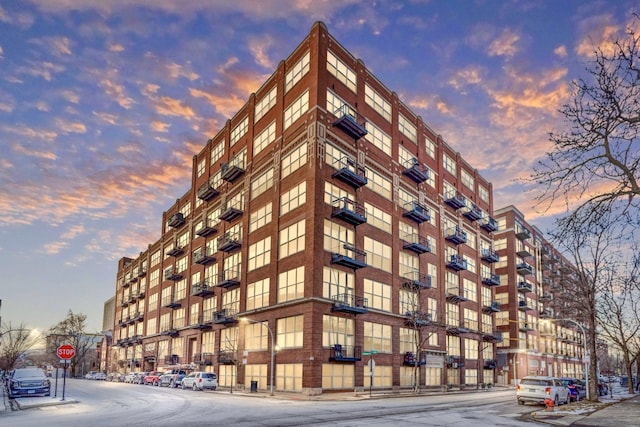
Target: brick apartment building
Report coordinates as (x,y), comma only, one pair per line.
(535,340)
(327,217)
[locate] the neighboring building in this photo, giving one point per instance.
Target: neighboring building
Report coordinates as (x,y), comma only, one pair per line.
(333,218)
(535,341)
(103,349)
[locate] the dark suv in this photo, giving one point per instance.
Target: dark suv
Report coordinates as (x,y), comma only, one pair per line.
(29,382)
(172,378)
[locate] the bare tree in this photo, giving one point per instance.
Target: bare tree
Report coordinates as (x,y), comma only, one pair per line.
(15,342)
(619,312)
(594,167)
(72,330)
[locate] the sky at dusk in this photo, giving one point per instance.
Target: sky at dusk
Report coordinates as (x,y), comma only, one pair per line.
(104,103)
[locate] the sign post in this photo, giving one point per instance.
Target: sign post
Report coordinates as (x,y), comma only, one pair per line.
(65,352)
(371,364)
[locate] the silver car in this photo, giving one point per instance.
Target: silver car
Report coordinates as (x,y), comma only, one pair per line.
(200,380)
(537,389)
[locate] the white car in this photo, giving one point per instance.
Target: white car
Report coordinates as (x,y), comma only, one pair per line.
(537,389)
(95,375)
(200,380)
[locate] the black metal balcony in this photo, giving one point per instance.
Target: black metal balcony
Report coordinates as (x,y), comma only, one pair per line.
(546,313)
(345,353)
(416,281)
(416,243)
(176,220)
(491,280)
(524,268)
(416,212)
(495,336)
(132,299)
(172,359)
(523,233)
(457,263)
(228,279)
(141,293)
(525,327)
(350,173)
(473,213)
(170,332)
(455,235)
(229,241)
(122,323)
(176,251)
(489,255)
(207,192)
(455,362)
(227,357)
(350,257)
(231,172)
(415,171)
(349,303)
(130,320)
(545,297)
(523,252)
(125,303)
(142,272)
(455,296)
(201,323)
(489,364)
(205,359)
(125,284)
(203,257)
(172,274)
(138,316)
(489,224)
(349,211)
(455,199)
(417,318)
(523,306)
(411,360)
(349,123)
(202,289)
(525,287)
(494,307)
(230,212)
(208,228)
(225,316)
(171,303)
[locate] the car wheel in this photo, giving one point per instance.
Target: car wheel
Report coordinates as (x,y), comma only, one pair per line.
(520,402)
(195,387)
(171,385)
(556,401)
(184,387)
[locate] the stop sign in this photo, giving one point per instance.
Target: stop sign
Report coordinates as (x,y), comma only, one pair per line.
(66,351)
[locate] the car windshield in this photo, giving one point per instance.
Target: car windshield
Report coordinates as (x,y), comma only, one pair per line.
(28,373)
(210,376)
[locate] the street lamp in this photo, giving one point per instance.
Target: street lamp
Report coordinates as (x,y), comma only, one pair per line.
(266,325)
(584,356)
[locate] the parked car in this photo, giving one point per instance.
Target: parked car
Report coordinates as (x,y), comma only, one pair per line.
(139,378)
(200,380)
(95,375)
(172,378)
(536,389)
(115,377)
(100,376)
(153,378)
(576,389)
(130,377)
(29,382)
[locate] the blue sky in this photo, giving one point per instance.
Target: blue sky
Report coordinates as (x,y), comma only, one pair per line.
(104,103)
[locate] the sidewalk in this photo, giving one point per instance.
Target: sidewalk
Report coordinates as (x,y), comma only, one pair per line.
(616,414)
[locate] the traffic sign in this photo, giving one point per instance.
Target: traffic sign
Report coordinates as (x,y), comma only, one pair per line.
(66,351)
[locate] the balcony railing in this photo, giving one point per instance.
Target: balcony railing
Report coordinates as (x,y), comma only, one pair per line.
(494,307)
(172,274)
(416,243)
(455,235)
(207,191)
(415,171)
(495,336)
(170,302)
(345,353)
(455,199)
(228,279)
(416,212)
(349,303)
(489,255)
(523,306)
(208,227)
(522,233)
(203,359)
(349,122)
(410,359)
(349,211)
(225,316)
(350,257)
(418,318)
(454,295)
(415,280)
(489,224)
(525,287)
(457,263)
(492,279)
(350,173)
(176,220)
(232,170)
(177,250)
(473,213)
(229,241)
(201,289)
(227,357)
(524,268)
(455,362)
(203,256)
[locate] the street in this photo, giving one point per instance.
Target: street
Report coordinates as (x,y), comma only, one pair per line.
(117,404)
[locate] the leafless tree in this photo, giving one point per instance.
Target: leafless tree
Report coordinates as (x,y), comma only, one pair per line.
(618,308)
(72,330)
(14,343)
(594,167)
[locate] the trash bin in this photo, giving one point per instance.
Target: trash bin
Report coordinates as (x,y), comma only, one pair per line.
(254,386)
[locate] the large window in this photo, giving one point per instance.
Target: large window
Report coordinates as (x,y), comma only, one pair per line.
(336,237)
(258,294)
(378,295)
(449,163)
(378,254)
(377,217)
(295,74)
(290,332)
(294,160)
(292,239)
(259,254)
(378,137)
(217,152)
(377,102)
(379,184)
(265,104)
(291,284)
(239,131)
(261,183)
(340,70)
(336,282)
(294,198)
(256,336)
(264,138)
(337,330)
(377,337)
(407,128)
(260,217)
(296,109)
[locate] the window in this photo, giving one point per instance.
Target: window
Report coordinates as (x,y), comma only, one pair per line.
(296,72)
(453,316)
(471,319)
(340,70)
(405,157)
(294,198)
(377,337)
(291,284)
(378,137)
(379,184)
(239,131)
(202,165)
(430,146)
(258,294)
(296,109)
(155,258)
(179,317)
(260,217)
(470,350)
(336,236)
(468,180)
(409,265)
(264,138)
(154,277)
(259,254)
(377,102)
(378,295)
(378,218)
(294,160)
(292,239)
(336,282)
(333,193)
(407,128)
(337,330)
(256,336)
(217,152)
(261,183)
(290,332)
(483,193)
(378,254)
(470,289)
(265,104)
(449,163)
